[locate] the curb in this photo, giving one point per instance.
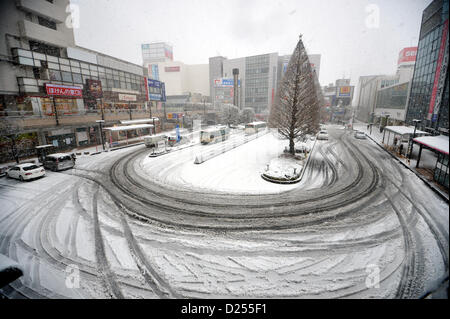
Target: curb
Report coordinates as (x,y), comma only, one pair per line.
(433,188)
(266,178)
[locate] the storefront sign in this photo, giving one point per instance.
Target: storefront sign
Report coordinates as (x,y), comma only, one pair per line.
(407,55)
(127,97)
(344,91)
(63,90)
(156,90)
(94,88)
(172,69)
(224,82)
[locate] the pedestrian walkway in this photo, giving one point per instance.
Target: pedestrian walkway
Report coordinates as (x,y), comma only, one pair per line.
(427,161)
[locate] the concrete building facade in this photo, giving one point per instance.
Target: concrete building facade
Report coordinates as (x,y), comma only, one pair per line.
(38,52)
(257,75)
(379,97)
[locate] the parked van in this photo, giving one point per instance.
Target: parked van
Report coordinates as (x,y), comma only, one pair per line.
(59,161)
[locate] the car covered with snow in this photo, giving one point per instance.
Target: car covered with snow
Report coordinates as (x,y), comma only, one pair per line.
(360,135)
(322,135)
(25,172)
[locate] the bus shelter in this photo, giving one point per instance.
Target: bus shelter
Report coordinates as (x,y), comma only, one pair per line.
(400,135)
(439,145)
(43,150)
(127,134)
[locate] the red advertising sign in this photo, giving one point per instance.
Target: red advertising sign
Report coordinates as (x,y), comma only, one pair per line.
(407,55)
(172,69)
(438,69)
(63,90)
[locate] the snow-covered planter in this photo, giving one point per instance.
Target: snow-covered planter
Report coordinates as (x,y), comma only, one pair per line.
(286,169)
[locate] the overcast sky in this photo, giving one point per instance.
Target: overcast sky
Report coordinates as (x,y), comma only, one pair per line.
(354,37)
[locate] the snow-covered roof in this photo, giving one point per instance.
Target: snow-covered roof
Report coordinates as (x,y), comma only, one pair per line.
(213,129)
(438,143)
(45,146)
(59,154)
(140,121)
(128,127)
(404,130)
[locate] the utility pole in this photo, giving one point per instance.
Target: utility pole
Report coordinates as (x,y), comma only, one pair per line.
(100,122)
(56,111)
(101,106)
(129,109)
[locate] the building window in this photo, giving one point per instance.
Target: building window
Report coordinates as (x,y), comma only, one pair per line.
(66,76)
(46,23)
(44,48)
(77,78)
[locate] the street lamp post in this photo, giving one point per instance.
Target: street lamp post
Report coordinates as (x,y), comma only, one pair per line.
(100,122)
(411,144)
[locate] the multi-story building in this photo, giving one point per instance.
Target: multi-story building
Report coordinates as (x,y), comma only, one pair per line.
(380,97)
(257,75)
(428,100)
(183,78)
(179,78)
(156,52)
(53,90)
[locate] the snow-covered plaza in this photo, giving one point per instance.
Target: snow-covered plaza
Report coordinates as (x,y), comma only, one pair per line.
(126,225)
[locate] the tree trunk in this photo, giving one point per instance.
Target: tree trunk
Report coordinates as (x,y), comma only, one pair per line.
(291,145)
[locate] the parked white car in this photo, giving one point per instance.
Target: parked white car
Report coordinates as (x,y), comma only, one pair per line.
(323,135)
(25,172)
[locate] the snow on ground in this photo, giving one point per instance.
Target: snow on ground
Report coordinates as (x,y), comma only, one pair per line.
(284,167)
(236,171)
(329,259)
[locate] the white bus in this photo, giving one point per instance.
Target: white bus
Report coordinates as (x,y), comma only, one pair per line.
(214,135)
(152,141)
(255,127)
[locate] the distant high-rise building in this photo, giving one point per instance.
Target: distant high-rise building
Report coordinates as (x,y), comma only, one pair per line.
(428,99)
(154,53)
(258,79)
(157,52)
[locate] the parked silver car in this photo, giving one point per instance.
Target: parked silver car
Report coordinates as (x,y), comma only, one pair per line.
(360,135)
(59,161)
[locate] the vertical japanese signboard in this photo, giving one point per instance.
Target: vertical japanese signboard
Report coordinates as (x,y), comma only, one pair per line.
(439,77)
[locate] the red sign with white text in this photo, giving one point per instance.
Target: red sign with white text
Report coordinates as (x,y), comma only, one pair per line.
(407,55)
(63,90)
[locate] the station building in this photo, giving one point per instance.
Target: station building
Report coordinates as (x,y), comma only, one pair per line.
(53,91)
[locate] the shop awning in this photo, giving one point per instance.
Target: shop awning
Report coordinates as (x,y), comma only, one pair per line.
(438,143)
(401,130)
(128,127)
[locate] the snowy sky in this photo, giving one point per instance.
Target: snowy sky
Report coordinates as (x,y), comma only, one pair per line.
(354,37)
